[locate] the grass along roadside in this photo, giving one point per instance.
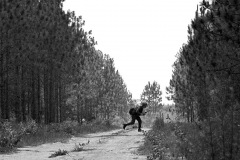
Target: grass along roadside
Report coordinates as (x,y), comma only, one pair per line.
(14,135)
(174,141)
(77,148)
(160,143)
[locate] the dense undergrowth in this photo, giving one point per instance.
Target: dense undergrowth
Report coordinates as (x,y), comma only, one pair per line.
(173,141)
(189,141)
(14,135)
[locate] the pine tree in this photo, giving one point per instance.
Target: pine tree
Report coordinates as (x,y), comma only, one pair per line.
(152,94)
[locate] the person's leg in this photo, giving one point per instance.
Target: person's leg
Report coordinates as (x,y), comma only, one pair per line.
(130,123)
(139,123)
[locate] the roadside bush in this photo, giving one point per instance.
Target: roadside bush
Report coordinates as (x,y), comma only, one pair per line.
(30,127)
(118,121)
(58,153)
(96,126)
(31,133)
(188,141)
(11,133)
(68,127)
(8,136)
(208,140)
(161,141)
(170,141)
(158,124)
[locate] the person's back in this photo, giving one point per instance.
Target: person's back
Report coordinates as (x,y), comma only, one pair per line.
(136,112)
(133,111)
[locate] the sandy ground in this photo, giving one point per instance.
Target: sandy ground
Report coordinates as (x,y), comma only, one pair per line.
(112,145)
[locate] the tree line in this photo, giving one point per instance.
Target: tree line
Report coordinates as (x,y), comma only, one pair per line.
(152,94)
(50,70)
(205,80)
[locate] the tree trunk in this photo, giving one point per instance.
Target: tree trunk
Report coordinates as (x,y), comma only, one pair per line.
(23,108)
(17,94)
(46,96)
(78,108)
(81,110)
(29,101)
(7,106)
(57,100)
(211,140)
(33,92)
(51,96)
(188,114)
(2,115)
(223,136)
(232,133)
(60,102)
(39,109)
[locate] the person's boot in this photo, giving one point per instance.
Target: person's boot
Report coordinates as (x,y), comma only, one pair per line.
(124,126)
(139,130)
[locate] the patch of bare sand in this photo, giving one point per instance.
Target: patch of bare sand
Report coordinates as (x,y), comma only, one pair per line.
(112,145)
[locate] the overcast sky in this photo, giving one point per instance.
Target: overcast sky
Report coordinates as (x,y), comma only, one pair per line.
(142,36)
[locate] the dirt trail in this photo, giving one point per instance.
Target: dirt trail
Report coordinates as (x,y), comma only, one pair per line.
(112,145)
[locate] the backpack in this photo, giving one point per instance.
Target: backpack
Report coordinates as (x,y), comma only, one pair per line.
(133,111)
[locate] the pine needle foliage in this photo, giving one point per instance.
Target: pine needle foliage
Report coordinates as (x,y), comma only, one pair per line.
(50,70)
(205,79)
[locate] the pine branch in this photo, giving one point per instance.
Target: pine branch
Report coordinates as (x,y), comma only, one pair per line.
(224,69)
(231,58)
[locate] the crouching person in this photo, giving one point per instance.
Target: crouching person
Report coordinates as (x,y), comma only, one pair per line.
(135,114)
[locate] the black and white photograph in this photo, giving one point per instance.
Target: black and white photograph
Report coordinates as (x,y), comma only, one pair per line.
(119,79)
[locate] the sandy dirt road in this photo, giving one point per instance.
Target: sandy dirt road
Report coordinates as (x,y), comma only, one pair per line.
(113,145)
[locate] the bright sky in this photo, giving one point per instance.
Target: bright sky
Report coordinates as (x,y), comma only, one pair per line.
(142,36)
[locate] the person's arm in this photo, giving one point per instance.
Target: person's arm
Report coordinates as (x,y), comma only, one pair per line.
(140,111)
(144,113)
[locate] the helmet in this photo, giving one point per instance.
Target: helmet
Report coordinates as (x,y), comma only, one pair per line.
(144,104)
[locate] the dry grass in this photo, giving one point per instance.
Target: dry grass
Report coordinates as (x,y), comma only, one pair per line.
(59,132)
(58,153)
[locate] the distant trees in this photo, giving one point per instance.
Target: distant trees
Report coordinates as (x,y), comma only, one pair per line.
(49,68)
(205,80)
(152,94)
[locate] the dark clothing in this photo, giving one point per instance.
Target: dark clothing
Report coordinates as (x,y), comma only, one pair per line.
(139,111)
(135,113)
(135,117)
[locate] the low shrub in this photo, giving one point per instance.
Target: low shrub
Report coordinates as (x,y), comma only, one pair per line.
(172,141)
(161,141)
(30,133)
(43,135)
(158,124)
(11,133)
(78,148)
(58,153)
(8,136)
(68,127)
(29,127)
